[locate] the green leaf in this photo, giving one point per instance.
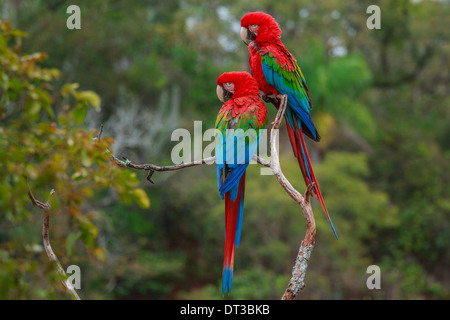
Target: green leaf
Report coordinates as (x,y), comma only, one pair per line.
(49,110)
(70,242)
(3,43)
(79,112)
(32,109)
(89,97)
(86,160)
(46,101)
(18,33)
(141,198)
(68,89)
(88,230)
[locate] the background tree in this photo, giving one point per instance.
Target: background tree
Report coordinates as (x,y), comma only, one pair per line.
(43,144)
(380,103)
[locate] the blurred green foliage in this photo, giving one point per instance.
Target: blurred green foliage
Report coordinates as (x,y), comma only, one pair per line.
(42,145)
(380,104)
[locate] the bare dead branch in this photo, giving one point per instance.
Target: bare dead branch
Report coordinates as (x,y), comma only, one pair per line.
(46,208)
(301,263)
(297,281)
(152,168)
(99,134)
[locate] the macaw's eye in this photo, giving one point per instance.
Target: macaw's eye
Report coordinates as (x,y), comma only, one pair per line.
(228,85)
(253,28)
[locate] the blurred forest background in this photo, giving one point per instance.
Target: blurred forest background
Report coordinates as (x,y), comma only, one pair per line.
(143,68)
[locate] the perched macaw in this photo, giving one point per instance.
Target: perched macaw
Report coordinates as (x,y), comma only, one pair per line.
(242,115)
(277,73)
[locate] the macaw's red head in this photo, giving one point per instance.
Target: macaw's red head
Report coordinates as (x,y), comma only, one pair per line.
(231,85)
(259,27)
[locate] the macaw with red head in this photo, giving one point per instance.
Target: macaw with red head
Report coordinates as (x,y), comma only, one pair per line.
(237,135)
(277,73)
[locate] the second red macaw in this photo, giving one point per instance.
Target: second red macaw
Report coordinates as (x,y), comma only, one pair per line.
(277,73)
(237,135)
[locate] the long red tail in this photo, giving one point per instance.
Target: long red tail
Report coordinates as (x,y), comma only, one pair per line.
(233,225)
(301,153)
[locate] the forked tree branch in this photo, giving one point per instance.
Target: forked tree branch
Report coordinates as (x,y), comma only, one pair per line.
(46,240)
(297,281)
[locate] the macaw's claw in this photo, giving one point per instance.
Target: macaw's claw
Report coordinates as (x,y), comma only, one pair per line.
(272,98)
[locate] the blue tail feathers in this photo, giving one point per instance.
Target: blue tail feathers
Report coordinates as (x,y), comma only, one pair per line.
(227,279)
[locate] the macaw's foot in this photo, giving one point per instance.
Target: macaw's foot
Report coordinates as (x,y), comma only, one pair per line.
(274,99)
(265,97)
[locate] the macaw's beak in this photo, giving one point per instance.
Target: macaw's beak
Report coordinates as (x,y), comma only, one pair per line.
(220,93)
(223,94)
(247,36)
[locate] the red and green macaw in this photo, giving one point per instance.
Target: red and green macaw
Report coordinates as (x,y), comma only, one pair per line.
(237,135)
(277,73)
